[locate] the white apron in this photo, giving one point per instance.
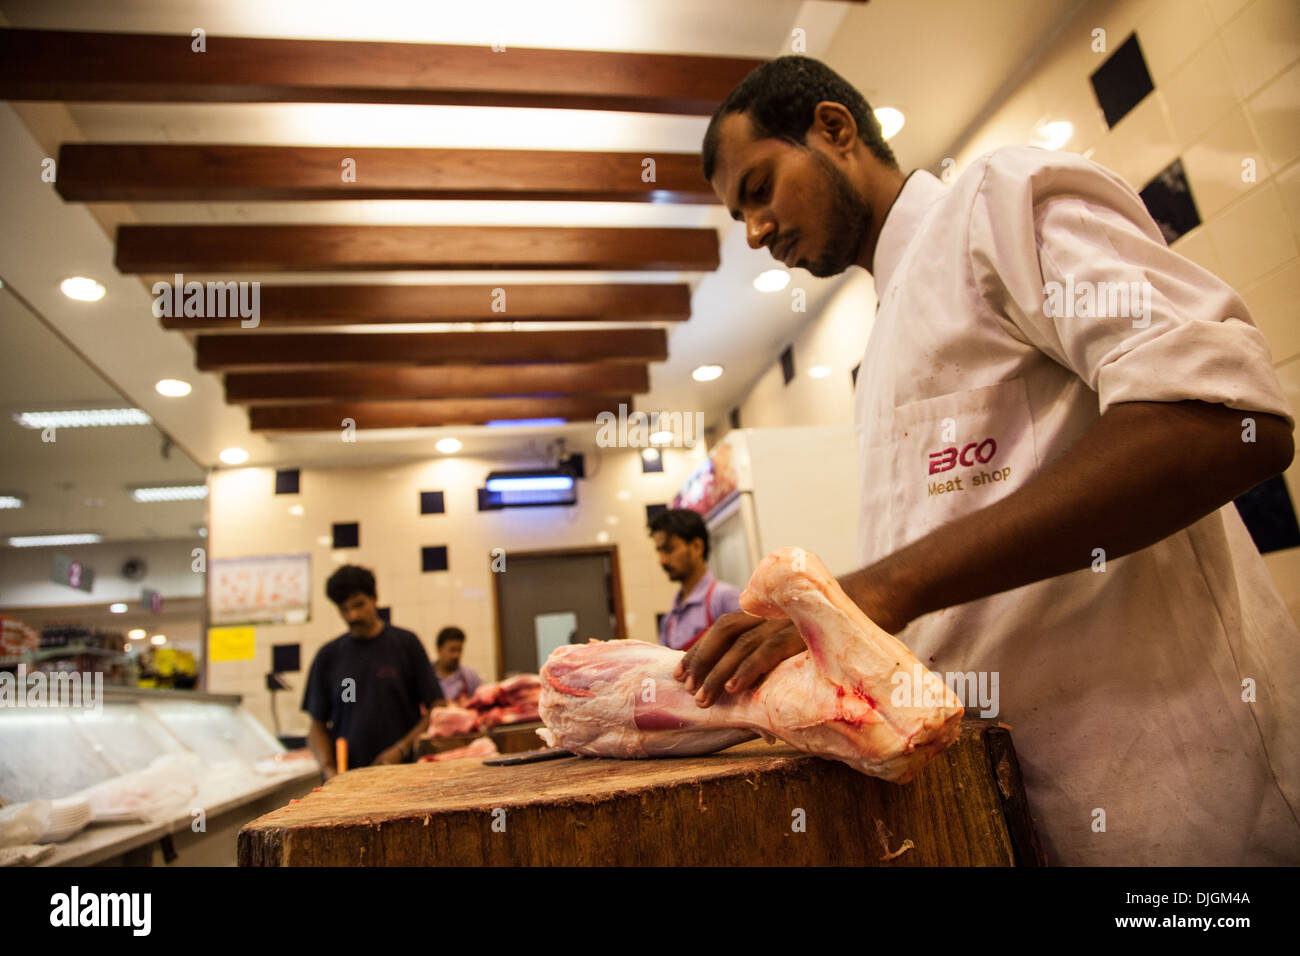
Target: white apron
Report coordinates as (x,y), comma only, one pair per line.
(1124,686)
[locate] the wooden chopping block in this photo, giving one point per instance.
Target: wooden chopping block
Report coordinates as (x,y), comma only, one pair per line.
(752,804)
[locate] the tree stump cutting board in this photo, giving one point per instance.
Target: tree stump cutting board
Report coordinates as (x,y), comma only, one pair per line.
(752,804)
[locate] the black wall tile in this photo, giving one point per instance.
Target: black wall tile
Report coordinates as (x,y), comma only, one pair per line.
(1168,198)
(787,364)
(432,503)
(1269,516)
(1122,82)
(433,558)
(347,535)
(286,481)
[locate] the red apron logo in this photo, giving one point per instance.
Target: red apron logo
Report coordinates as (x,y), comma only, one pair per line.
(971,454)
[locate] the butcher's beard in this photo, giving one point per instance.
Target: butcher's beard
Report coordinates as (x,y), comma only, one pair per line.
(848,220)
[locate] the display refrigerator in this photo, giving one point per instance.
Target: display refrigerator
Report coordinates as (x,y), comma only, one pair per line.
(761,489)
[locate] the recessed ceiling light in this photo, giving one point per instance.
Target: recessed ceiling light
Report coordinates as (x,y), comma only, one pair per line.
(1052,135)
(118,608)
(295,510)
(82,289)
(52,540)
(650,454)
(661,438)
(233,456)
(773,280)
(173,388)
(891,121)
(136,633)
(170,493)
(158,640)
(707,373)
(819,371)
(83,418)
(448,446)
(11,501)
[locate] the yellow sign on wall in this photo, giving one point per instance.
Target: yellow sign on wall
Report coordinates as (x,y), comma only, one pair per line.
(230,643)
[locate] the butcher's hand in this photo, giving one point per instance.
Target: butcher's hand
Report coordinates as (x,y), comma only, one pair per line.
(735,654)
(394,754)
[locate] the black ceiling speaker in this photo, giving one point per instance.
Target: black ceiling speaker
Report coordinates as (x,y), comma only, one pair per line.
(133,569)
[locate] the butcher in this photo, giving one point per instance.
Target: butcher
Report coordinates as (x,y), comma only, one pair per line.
(372,687)
(1046,485)
(457,681)
(681,540)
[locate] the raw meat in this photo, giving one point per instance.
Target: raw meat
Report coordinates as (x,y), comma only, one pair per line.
(848,697)
(450,721)
(511,701)
(509,691)
(482,747)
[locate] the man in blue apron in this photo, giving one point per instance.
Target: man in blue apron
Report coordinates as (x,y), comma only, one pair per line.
(682,541)
(1048,467)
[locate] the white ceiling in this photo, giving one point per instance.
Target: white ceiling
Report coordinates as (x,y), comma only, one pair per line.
(81,480)
(941,61)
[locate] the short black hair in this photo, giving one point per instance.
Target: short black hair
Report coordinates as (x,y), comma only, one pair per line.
(349,580)
(450,634)
(780,98)
(682,523)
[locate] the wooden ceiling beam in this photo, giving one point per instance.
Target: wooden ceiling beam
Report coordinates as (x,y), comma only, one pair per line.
(143,172)
(446,381)
(163,68)
(259,351)
(324,248)
(289,306)
(428,414)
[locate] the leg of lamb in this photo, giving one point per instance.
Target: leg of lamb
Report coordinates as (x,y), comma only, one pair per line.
(848,697)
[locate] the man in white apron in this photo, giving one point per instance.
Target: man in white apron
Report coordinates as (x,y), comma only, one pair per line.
(1055,412)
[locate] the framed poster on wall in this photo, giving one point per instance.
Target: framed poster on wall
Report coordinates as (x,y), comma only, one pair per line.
(273,589)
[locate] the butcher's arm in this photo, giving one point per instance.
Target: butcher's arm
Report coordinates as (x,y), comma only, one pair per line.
(318,740)
(399,751)
(1144,471)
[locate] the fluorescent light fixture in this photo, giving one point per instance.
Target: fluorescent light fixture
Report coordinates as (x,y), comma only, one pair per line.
(1052,135)
(819,371)
(891,121)
(523,422)
(173,388)
(170,493)
(136,633)
(52,540)
(650,454)
(234,456)
(82,289)
(11,501)
(118,608)
(661,438)
(707,373)
(530,483)
(773,280)
(83,418)
(158,640)
(448,446)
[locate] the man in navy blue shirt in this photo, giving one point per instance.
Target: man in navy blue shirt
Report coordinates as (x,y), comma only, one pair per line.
(372,686)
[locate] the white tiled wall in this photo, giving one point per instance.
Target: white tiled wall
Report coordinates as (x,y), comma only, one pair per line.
(247,518)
